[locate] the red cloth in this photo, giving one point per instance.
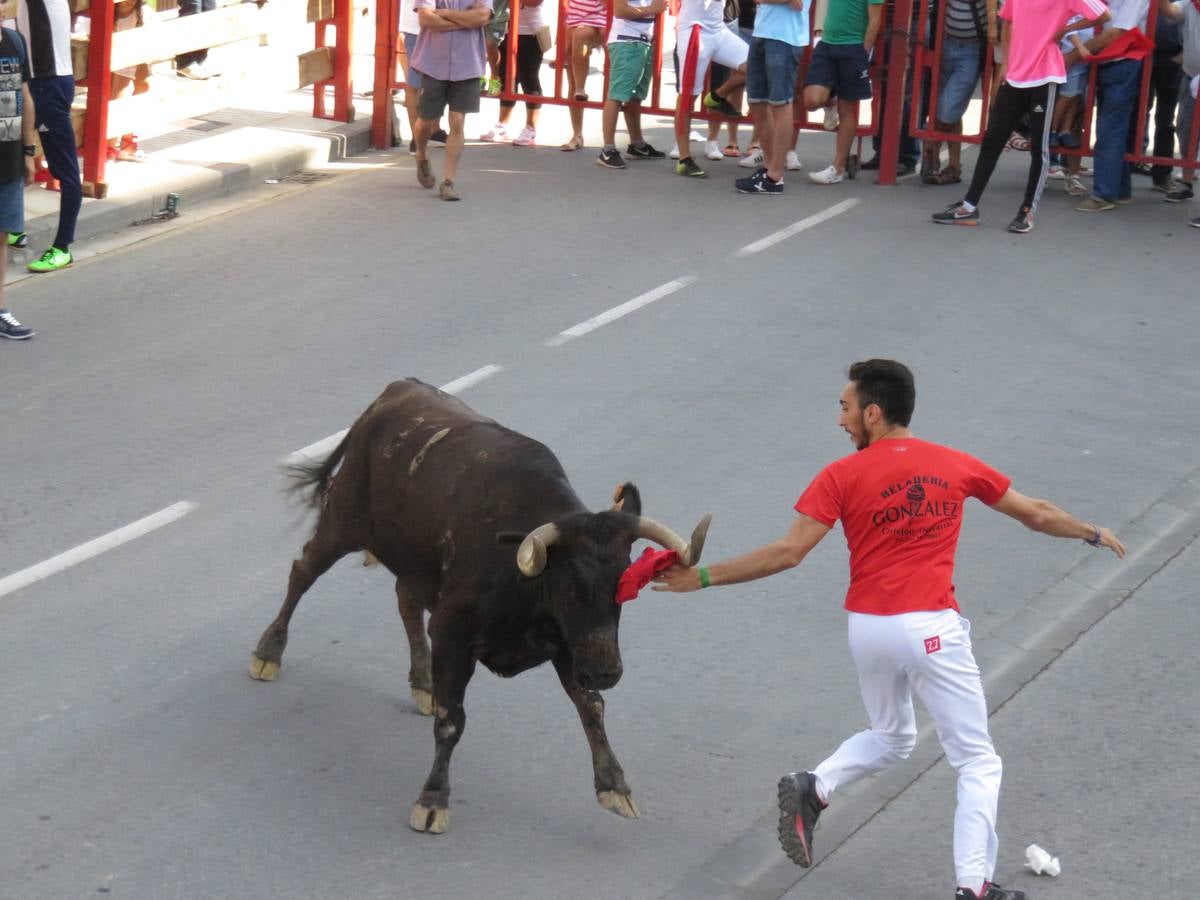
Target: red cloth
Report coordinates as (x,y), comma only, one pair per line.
(639,573)
(1132,44)
(900,503)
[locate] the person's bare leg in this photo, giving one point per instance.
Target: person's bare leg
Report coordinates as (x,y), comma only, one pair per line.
(683,121)
(633,121)
(608,122)
(777,133)
(454,144)
(759,114)
(421,132)
(847,125)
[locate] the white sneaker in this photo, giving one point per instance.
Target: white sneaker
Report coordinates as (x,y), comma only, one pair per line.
(527,137)
(195,71)
(1057,172)
(828,175)
(497,134)
(831,118)
(712,150)
(753,159)
(695,137)
(674,154)
(1075,186)
(791,162)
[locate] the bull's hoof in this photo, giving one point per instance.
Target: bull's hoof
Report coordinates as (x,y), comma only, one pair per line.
(432,820)
(621,804)
(424,701)
(262,670)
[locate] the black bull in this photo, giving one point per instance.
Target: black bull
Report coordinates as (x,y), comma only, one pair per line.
(440,495)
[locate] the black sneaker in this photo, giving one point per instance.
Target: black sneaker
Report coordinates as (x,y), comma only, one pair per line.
(438,138)
(645,151)
(871,164)
(759,183)
(610,159)
(799,810)
(1022,223)
(12,329)
(956,214)
(687,167)
(1182,192)
(990,892)
(721,106)
(1143,169)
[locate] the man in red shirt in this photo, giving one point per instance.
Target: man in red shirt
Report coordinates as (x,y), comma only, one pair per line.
(900,502)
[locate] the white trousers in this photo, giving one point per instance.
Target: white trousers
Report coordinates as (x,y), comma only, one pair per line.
(928,653)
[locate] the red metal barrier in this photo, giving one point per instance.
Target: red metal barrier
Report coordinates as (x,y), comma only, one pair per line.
(99,88)
(343,49)
(928,60)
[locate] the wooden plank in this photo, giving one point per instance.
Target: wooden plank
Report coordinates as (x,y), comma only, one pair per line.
(318,10)
(166,40)
(315,65)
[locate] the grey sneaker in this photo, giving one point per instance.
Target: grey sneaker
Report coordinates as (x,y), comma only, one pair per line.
(799,810)
(12,329)
(425,174)
(447,191)
(1022,223)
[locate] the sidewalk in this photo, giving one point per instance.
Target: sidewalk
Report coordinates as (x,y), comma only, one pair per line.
(206,157)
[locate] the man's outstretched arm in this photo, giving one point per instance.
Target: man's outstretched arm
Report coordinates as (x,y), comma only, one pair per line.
(785,553)
(1043,516)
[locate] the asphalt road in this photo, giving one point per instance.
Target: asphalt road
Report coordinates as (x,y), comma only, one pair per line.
(137,758)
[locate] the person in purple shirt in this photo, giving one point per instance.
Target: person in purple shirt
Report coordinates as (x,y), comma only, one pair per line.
(451,56)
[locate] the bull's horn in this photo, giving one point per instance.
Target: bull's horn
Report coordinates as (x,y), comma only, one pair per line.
(689,554)
(531,555)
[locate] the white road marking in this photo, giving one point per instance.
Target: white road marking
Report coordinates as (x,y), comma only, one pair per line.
(102,544)
(803,225)
(617,312)
(324,446)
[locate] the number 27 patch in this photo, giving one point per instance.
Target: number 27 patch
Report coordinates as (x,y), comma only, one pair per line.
(933,644)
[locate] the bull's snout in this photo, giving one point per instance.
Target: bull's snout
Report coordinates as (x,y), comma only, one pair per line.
(599,676)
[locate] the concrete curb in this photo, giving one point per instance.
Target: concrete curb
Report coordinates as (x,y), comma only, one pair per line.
(754,868)
(281,152)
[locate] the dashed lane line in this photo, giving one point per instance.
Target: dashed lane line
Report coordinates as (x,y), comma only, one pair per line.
(92,548)
(803,225)
(617,312)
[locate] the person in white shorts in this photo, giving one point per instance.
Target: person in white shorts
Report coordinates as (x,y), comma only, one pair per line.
(705,19)
(900,501)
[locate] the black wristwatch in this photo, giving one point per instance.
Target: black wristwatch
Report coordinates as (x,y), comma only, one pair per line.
(30,149)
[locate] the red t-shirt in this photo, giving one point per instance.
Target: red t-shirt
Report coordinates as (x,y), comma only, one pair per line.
(900,503)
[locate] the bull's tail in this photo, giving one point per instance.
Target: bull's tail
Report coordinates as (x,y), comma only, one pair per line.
(311,479)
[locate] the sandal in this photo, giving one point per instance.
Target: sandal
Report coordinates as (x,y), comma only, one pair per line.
(575,143)
(1018,142)
(930,156)
(732,151)
(948,175)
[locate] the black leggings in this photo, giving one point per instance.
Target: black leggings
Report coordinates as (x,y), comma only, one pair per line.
(1011,104)
(529,65)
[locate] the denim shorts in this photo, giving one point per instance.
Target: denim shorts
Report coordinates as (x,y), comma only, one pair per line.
(412,78)
(957,77)
(771,71)
(844,68)
(1077,81)
(12,206)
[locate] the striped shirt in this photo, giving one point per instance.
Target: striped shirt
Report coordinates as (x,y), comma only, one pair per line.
(46,27)
(961,16)
(587,12)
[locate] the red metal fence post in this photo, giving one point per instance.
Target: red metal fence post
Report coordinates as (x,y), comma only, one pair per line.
(343,13)
(387,27)
(890,129)
(99,85)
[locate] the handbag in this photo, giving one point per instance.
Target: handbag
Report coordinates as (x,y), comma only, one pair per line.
(545,41)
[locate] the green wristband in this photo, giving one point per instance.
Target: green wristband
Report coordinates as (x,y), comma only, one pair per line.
(704,582)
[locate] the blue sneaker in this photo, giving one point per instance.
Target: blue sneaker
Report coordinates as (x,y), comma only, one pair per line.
(12,329)
(758,183)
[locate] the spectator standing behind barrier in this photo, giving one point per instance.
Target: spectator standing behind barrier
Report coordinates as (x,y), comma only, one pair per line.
(191,64)
(970,30)
(528,76)
(717,44)
(841,64)
(1163,99)
(1187,13)
(1067,125)
(451,56)
(46,27)
(910,147)
(16,158)
(780,36)
(1034,70)
(585,23)
(630,71)
(1118,81)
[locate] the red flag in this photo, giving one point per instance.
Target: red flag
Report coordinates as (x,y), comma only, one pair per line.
(639,573)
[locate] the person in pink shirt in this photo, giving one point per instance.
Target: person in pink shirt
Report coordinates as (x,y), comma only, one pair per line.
(1033,71)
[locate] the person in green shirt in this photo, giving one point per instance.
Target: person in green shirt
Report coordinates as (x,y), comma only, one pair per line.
(840,66)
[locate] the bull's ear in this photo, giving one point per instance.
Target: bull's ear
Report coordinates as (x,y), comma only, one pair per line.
(627,499)
(509,537)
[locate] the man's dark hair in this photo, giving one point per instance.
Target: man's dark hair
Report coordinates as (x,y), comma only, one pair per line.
(889,385)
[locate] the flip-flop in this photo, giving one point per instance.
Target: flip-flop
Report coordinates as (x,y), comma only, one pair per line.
(572,144)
